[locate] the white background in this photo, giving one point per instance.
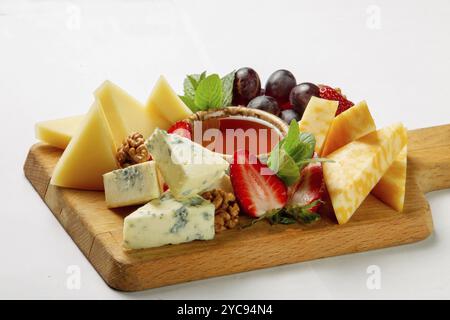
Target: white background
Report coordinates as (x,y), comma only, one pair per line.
(53,54)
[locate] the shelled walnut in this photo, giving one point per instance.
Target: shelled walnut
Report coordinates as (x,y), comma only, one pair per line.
(132,151)
(227,210)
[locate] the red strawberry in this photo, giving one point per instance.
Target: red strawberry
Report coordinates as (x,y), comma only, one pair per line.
(311,186)
(329,93)
(182,128)
(257,189)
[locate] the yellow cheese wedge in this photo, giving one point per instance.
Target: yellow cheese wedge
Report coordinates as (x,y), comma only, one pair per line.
(89,155)
(358,166)
(165,104)
(58,132)
(348,126)
(124,113)
(391,188)
(317,118)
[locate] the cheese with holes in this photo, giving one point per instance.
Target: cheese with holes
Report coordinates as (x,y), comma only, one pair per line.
(58,132)
(187,167)
(124,113)
(169,221)
(348,126)
(137,184)
(90,154)
(317,118)
(165,103)
(358,166)
(391,188)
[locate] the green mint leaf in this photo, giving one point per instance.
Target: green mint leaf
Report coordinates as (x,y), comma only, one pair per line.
(208,94)
(191,82)
(283,165)
(227,89)
(189,102)
(299,145)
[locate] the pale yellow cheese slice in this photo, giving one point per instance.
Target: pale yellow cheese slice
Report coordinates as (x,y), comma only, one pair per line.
(124,113)
(348,126)
(165,105)
(58,132)
(89,155)
(359,165)
(391,188)
(317,118)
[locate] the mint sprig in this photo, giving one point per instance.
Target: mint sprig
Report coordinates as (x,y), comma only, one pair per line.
(204,92)
(289,155)
(227,89)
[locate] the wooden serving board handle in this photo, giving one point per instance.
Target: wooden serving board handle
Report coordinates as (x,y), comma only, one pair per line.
(429,157)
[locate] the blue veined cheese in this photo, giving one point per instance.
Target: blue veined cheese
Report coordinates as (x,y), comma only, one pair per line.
(187,167)
(169,221)
(133,185)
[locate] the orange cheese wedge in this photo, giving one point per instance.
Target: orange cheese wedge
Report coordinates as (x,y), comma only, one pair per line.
(350,125)
(359,166)
(391,188)
(317,118)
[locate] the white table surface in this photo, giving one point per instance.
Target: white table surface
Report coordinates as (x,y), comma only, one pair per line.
(53,54)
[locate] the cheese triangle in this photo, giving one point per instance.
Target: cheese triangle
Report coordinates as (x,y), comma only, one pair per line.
(391,188)
(358,166)
(125,114)
(317,118)
(89,155)
(58,132)
(348,126)
(165,104)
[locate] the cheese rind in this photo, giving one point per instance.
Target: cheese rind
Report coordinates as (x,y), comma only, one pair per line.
(90,154)
(392,186)
(164,102)
(348,126)
(186,166)
(169,221)
(133,185)
(317,118)
(358,166)
(58,132)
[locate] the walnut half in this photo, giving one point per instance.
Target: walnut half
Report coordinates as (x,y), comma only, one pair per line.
(132,151)
(227,210)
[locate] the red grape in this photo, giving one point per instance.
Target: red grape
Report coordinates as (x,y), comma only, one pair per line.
(279,86)
(265,103)
(246,86)
(301,94)
(289,114)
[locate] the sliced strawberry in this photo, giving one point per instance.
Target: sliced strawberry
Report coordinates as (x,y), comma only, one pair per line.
(182,128)
(311,186)
(257,189)
(329,93)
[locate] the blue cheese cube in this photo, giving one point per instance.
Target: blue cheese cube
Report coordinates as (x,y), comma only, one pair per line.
(137,184)
(187,167)
(169,221)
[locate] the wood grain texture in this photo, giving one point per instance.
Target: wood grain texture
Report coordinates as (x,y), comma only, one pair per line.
(98,231)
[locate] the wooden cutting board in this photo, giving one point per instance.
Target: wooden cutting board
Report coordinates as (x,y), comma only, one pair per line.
(98,231)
